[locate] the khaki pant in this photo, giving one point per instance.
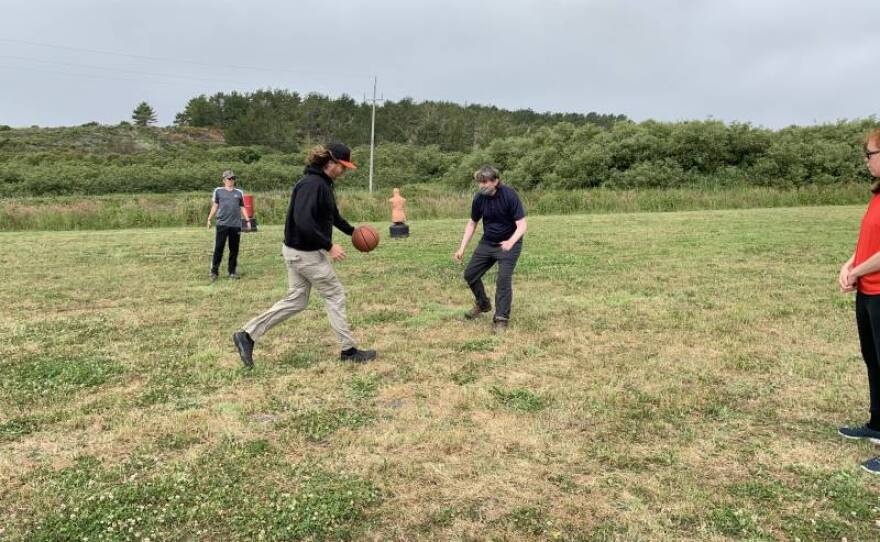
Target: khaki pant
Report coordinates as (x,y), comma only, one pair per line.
(304,270)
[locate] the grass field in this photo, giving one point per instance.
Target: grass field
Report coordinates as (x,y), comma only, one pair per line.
(673,376)
(426,201)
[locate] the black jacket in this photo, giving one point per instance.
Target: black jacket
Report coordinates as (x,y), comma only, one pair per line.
(312,213)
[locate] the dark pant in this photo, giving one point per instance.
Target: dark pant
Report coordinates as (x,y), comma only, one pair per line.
(233,235)
(868,321)
(482,259)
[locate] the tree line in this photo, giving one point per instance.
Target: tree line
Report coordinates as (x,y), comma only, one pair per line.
(286,120)
(711,154)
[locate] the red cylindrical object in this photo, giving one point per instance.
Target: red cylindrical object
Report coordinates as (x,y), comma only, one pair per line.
(249,205)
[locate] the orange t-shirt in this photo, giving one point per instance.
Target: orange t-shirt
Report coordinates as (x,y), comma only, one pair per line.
(868,245)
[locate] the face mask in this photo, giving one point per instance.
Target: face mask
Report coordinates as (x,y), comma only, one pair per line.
(486,190)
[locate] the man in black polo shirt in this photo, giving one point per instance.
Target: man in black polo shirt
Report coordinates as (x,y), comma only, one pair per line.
(504,224)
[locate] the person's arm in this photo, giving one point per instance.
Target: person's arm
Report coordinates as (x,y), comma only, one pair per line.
(517,234)
(244,215)
(340,223)
(518,215)
(843,276)
(213,208)
(871,265)
(466,238)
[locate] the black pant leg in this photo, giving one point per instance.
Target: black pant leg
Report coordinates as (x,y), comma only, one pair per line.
(219,244)
(480,262)
(504,282)
(234,238)
(868,322)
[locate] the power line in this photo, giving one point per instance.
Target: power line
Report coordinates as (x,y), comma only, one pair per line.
(168,75)
(89,76)
(180,60)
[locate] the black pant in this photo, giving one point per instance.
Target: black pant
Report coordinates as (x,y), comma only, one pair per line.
(233,235)
(868,321)
(482,259)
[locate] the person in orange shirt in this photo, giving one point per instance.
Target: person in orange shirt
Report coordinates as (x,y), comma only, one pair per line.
(861,273)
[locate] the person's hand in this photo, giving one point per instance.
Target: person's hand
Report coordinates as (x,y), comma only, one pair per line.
(841,277)
(336,253)
(209,223)
(507,245)
(850,282)
(844,279)
(458,256)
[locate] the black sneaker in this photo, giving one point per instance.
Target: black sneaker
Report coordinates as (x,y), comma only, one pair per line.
(859,433)
(357,356)
(872,465)
(245,346)
(213,278)
(499,327)
(477,310)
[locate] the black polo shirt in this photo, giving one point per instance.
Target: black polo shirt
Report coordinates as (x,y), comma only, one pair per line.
(499,213)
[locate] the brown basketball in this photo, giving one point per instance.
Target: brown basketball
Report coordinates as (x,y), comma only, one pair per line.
(365,238)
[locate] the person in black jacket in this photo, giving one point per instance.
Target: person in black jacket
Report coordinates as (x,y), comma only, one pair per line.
(308,250)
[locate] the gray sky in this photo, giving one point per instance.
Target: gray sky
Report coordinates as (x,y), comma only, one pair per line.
(771,62)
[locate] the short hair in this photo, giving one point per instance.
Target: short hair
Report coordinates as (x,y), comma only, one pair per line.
(874,137)
(486,173)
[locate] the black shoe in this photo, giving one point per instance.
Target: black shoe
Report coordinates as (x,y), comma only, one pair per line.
(859,433)
(213,277)
(872,465)
(499,327)
(245,346)
(477,310)
(357,356)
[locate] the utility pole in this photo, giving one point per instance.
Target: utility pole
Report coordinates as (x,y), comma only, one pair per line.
(373,131)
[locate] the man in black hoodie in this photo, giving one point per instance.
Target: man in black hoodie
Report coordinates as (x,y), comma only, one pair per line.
(308,250)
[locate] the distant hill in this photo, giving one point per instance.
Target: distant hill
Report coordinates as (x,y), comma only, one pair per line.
(94,138)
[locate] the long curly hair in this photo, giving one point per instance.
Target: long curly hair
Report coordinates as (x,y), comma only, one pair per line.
(319,156)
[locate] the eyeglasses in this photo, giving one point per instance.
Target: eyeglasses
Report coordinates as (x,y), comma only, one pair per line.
(487,181)
(869,154)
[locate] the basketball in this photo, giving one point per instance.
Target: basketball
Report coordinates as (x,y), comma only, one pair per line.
(365,238)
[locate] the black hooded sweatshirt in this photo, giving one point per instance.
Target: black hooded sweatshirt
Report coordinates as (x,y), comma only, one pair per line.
(312,213)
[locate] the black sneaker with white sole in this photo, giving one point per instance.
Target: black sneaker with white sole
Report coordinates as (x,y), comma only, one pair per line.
(872,465)
(859,433)
(245,346)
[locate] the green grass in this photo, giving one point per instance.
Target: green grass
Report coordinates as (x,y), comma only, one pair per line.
(674,376)
(424,201)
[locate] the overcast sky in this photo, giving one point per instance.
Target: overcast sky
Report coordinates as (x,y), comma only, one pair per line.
(769,62)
